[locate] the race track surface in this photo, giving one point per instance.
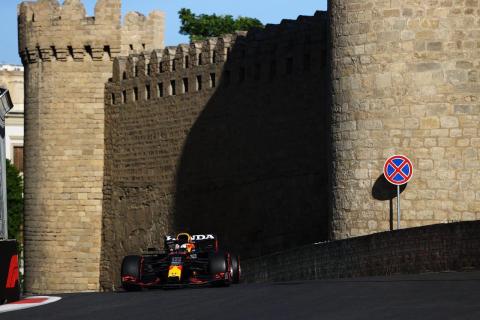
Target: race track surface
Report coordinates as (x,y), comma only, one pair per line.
(428,296)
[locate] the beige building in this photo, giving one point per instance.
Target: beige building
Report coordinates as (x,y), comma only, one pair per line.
(11,77)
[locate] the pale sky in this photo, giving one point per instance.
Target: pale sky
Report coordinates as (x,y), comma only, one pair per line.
(267,11)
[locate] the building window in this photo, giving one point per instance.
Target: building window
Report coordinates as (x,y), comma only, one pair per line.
(149,69)
(112,98)
(214,56)
(135,94)
(135,70)
(161,67)
(199,61)
(185,85)
(124,96)
(199,83)
(147,92)
(174,64)
(160,90)
(18,157)
(173,89)
(186,61)
(212,80)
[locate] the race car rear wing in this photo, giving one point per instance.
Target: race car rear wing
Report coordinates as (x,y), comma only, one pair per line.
(203,242)
(203,237)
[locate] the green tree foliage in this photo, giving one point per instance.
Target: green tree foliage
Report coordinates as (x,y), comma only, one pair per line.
(202,26)
(14,201)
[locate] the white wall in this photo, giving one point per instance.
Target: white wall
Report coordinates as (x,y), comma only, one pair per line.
(13,137)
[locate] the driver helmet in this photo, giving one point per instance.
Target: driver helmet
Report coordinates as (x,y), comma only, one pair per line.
(184,240)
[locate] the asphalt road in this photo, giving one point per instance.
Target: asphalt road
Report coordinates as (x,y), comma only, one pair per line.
(428,296)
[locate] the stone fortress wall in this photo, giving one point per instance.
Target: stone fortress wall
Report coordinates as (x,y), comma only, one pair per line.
(272,139)
(68,58)
(228,136)
(405,81)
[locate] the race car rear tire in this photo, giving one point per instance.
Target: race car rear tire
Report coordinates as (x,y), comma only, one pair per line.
(237,269)
(131,267)
(218,263)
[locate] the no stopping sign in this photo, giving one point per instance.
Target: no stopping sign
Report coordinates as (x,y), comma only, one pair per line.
(398,170)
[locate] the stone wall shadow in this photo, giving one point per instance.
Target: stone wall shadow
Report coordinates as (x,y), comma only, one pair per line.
(255,166)
(385,191)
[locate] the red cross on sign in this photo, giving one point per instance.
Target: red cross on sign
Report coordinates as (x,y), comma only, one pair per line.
(398,170)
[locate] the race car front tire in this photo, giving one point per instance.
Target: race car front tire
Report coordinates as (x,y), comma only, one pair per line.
(131,268)
(237,269)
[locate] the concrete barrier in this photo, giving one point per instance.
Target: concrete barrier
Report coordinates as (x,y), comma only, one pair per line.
(435,248)
(9,277)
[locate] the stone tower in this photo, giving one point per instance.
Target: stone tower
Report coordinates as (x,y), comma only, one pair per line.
(405,80)
(68,58)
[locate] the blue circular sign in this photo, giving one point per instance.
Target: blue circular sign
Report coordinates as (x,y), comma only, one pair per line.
(398,170)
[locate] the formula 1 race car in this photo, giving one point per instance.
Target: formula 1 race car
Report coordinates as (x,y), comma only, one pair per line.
(185,261)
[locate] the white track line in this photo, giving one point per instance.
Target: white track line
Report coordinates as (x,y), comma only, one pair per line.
(29,302)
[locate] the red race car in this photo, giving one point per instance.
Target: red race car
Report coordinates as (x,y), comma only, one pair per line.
(185,261)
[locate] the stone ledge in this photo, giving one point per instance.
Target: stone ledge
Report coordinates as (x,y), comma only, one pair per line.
(434,248)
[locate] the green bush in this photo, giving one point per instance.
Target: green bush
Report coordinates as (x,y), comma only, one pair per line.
(202,26)
(14,201)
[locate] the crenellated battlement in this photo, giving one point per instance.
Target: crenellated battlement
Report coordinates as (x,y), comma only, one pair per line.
(140,33)
(49,31)
(174,59)
(289,39)
(51,12)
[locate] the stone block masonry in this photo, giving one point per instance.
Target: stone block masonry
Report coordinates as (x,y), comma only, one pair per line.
(405,81)
(68,58)
(435,248)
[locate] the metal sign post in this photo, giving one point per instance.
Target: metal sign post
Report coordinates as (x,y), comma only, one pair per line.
(398,170)
(398,207)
